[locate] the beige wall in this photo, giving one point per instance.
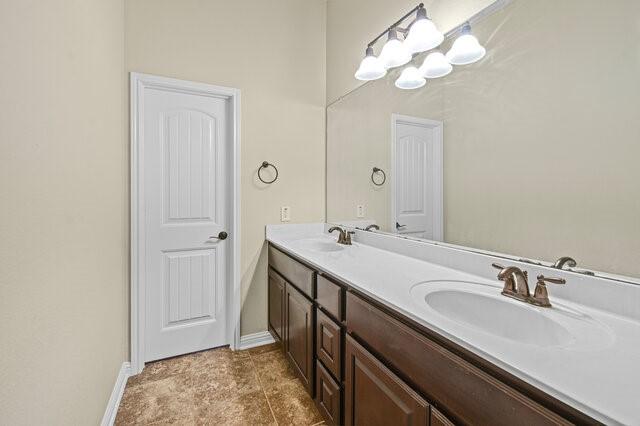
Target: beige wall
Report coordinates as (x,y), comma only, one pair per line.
(540,138)
(274,52)
(354,23)
(63,210)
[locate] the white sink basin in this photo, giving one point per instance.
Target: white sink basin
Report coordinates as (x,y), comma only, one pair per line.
(499,316)
(320,245)
(482,308)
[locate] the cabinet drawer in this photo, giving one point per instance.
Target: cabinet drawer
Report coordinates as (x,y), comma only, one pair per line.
(469,394)
(328,343)
(328,396)
(329,296)
(294,272)
(375,396)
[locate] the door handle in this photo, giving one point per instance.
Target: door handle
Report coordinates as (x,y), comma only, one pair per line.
(398,226)
(221,236)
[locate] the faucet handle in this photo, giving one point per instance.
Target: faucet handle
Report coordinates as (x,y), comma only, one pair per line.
(541,295)
(542,280)
(497,266)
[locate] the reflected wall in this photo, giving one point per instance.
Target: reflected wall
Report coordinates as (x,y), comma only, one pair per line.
(541,137)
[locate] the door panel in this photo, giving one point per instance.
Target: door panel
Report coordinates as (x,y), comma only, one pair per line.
(276,304)
(375,396)
(184,147)
(299,335)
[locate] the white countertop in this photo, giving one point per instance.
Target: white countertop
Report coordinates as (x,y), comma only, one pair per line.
(601,380)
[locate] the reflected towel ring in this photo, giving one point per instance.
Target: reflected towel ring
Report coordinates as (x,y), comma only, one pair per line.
(264,165)
(384,176)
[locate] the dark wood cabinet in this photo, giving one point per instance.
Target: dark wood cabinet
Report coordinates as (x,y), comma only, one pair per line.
(376,396)
(329,343)
(470,393)
(367,364)
(328,396)
(298,331)
(276,304)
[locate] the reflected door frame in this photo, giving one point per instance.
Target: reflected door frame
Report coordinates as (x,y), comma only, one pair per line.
(437,173)
(138,84)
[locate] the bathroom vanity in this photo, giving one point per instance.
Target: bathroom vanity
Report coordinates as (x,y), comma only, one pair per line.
(369,354)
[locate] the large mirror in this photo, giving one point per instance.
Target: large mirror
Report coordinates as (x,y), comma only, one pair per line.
(533,151)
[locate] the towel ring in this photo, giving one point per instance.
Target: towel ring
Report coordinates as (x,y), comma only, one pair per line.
(264,165)
(384,176)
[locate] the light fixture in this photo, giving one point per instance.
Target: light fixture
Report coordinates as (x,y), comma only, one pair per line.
(410,78)
(423,34)
(394,53)
(435,65)
(466,49)
(371,68)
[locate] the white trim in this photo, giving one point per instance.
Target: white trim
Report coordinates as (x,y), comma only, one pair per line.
(438,150)
(249,341)
(138,83)
(111,411)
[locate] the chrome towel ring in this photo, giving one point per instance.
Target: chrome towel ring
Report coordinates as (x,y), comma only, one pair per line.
(384,176)
(264,165)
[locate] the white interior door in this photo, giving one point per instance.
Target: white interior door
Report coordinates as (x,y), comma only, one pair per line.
(184,137)
(417,173)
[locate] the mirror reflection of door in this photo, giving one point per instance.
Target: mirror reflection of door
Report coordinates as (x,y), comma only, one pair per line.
(416,201)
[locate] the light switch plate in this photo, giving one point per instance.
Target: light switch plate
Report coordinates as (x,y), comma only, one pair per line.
(285,214)
(360,210)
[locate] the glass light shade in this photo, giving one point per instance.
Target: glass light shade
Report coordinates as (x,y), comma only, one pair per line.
(410,78)
(423,34)
(435,65)
(394,53)
(466,49)
(370,68)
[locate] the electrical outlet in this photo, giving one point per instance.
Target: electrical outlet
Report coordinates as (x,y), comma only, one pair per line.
(285,214)
(360,210)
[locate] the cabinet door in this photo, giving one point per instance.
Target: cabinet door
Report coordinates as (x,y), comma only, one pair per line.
(299,335)
(276,305)
(376,396)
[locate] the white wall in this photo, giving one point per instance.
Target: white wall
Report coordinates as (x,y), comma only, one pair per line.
(63,210)
(274,52)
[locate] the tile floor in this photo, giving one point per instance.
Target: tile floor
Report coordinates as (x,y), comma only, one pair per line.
(218,387)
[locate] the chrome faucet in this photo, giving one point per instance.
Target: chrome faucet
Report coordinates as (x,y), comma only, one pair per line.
(372,226)
(344,237)
(517,287)
(564,260)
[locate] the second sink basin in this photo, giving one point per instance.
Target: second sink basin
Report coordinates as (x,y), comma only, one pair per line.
(481,307)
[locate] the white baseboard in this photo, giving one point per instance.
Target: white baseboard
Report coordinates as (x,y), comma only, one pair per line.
(249,341)
(116,395)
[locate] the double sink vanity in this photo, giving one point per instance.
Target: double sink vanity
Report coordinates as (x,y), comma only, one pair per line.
(392,331)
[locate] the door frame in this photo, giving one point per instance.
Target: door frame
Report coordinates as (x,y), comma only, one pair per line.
(139,82)
(438,130)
